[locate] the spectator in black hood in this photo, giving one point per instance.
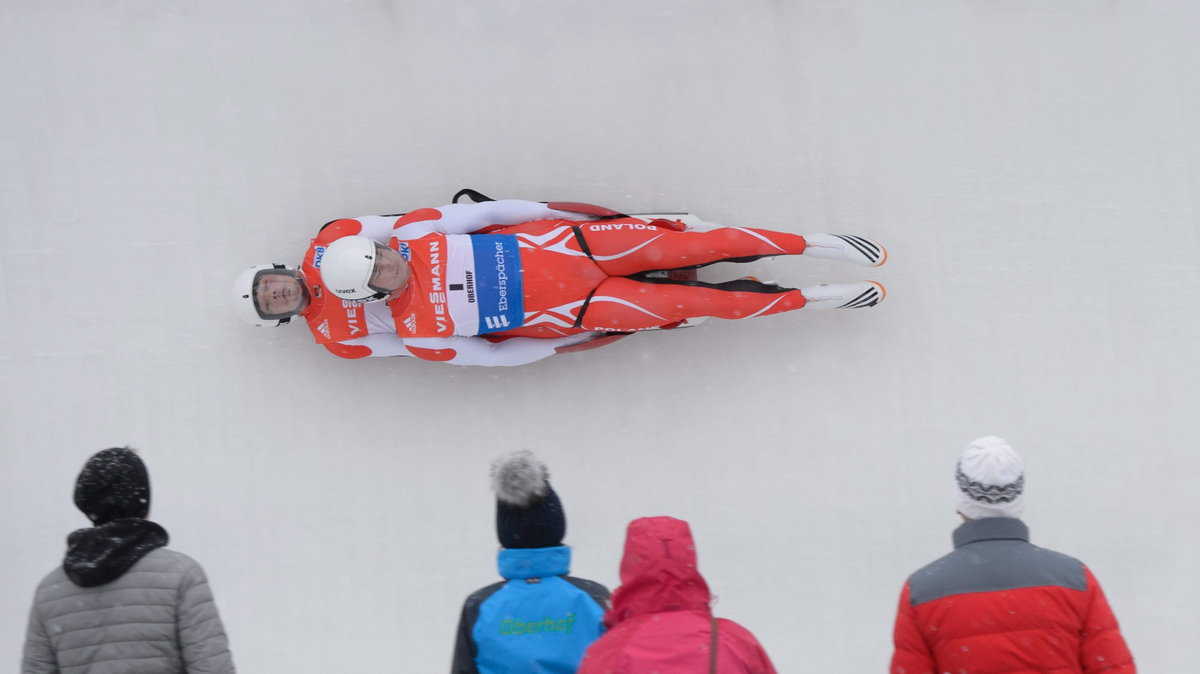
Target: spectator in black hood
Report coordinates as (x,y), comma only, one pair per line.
(147,608)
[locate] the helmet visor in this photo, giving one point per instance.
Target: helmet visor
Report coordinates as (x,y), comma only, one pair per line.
(389,272)
(275,299)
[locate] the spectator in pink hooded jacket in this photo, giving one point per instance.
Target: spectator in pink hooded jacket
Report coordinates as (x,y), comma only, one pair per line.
(660,620)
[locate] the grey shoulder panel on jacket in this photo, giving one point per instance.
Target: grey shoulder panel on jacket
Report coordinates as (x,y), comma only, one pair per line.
(481,595)
(595,590)
(995,565)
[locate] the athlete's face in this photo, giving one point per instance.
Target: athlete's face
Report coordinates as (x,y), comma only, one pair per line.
(279,294)
(391,270)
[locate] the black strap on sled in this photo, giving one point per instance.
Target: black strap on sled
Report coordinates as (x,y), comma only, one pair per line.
(598,212)
(583,309)
(583,244)
(474,195)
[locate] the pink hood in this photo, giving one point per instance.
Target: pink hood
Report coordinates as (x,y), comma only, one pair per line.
(658,571)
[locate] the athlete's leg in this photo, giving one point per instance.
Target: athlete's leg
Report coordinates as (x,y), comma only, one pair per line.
(629,246)
(623,304)
(557,277)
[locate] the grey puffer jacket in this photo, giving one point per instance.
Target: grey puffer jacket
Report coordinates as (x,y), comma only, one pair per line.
(158,617)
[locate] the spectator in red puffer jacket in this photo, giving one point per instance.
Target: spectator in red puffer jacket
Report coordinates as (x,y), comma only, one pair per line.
(999,604)
(660,620)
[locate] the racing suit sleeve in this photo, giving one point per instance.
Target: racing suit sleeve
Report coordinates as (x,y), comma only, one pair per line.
(378,344)
(377,227)
(480,351)
(468,218)
(381,338)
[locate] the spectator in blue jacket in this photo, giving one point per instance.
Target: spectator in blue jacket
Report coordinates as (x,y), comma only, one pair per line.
(538,619)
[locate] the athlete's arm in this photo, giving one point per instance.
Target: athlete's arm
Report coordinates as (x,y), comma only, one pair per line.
(379,344)
(381,338)
(376,227)
(479,351)
(468,218)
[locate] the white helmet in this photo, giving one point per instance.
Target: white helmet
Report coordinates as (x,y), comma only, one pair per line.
(245,287)
(346,269)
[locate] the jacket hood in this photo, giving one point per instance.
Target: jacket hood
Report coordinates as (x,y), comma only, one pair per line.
(658,572)
(103,554)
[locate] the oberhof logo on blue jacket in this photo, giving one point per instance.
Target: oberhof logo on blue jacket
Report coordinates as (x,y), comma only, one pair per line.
(498,282)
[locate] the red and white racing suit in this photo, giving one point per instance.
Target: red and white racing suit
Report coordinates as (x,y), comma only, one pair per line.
(360,330)
(334,322)
(509,282)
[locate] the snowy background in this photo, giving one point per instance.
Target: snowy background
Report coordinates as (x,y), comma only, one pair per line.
(1033,167)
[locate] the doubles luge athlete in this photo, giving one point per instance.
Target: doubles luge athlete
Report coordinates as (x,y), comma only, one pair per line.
(511,282)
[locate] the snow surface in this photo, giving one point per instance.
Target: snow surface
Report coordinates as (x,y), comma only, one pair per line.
(1032,166)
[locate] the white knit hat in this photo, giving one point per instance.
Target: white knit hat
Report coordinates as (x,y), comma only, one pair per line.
(990,480)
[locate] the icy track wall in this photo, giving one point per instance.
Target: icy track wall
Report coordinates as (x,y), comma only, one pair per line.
(1031,166)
